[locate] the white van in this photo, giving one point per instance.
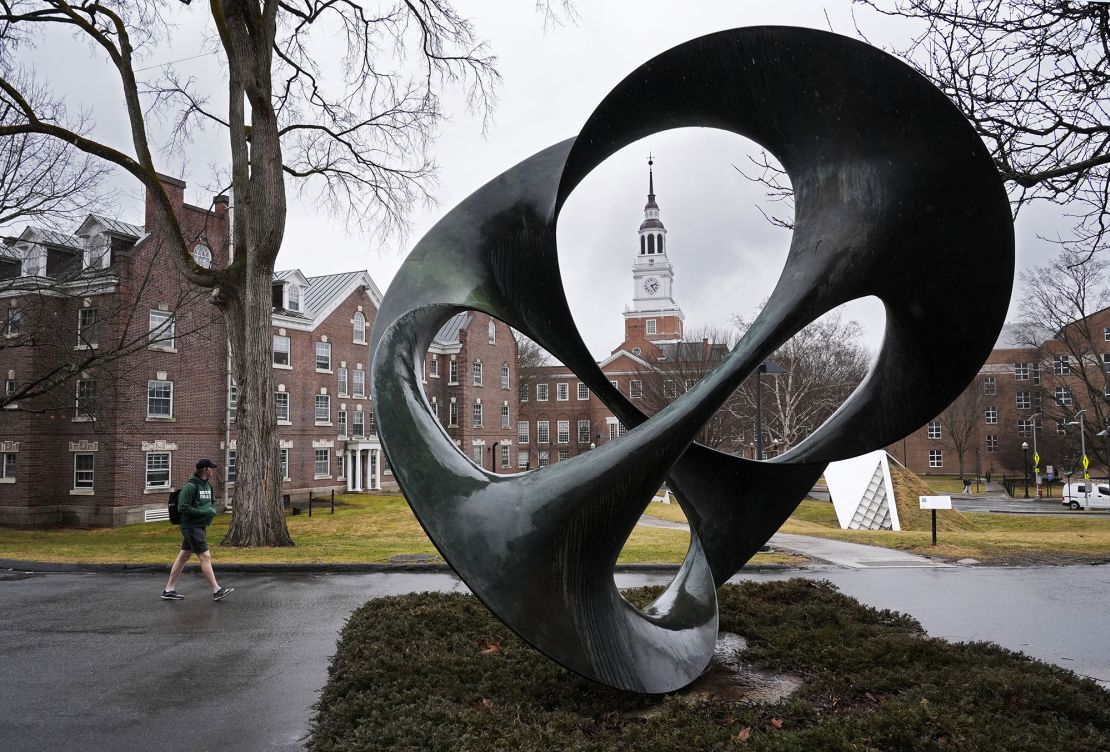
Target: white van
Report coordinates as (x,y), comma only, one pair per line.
(1086,494)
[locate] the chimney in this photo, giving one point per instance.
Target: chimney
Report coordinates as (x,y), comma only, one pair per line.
(175,189)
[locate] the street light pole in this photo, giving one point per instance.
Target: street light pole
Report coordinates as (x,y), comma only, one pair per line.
(766,366)
(1036,456)
(977,467)
(1025,465)
(1083,454)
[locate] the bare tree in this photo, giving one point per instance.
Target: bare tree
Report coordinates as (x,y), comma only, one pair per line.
(1032,78)
(823,364)
(529,357)
(959,421)
(357,140)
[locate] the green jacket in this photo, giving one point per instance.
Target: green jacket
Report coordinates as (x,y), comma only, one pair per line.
(197,503)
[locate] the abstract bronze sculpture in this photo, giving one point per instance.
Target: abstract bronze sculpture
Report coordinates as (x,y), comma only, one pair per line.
(896,197)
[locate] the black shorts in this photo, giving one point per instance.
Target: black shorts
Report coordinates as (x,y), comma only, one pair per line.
(194,539)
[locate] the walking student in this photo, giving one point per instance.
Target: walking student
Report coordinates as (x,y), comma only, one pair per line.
(197,505)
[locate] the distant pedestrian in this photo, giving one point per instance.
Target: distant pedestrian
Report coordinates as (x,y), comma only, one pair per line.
(967,485)
(988,476)
(197,505)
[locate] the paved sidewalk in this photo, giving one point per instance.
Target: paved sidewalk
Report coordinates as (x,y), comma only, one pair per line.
(838,553)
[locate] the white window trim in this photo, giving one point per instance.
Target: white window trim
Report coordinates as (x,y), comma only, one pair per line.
(160,418)
(288,352)
(146,471)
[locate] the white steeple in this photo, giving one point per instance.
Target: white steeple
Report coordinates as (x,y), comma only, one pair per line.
(653,276)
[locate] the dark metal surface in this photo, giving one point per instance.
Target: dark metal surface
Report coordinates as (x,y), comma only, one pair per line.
(896,197)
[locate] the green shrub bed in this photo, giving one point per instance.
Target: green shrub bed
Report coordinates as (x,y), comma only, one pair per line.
(439,672)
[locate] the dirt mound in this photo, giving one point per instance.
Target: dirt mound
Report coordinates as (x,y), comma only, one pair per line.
(907,488)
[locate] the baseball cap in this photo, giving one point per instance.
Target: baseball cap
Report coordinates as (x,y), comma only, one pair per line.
(205,463)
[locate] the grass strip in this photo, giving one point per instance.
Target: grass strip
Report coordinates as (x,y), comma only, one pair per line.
(436,672)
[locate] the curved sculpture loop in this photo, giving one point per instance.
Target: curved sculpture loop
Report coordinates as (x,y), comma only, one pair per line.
(896,197)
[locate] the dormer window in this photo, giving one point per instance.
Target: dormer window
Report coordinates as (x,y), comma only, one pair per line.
(294,294)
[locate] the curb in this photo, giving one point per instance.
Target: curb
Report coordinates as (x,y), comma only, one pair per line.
(15,565)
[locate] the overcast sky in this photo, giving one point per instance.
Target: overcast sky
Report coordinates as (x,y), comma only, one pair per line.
(726,256)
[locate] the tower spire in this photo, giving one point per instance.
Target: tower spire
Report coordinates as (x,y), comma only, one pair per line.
(651,185)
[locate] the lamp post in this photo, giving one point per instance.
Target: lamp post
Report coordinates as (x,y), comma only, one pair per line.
(766,366)
(1083,453)
(1025,466)
(977,466)
(1036,456)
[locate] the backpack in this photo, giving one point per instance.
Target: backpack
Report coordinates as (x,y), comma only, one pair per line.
(171,505)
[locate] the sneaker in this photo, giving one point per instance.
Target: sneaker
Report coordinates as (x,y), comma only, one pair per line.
(222,593)
(172,595)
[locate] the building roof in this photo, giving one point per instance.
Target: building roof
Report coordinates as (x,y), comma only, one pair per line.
(1018,336)
(41,235)
(449,333)
(321,290)
(118,227)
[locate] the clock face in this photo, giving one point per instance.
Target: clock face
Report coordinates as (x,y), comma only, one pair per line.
(651,285)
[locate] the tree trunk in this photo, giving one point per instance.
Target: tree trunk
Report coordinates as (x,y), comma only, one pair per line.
(257,517)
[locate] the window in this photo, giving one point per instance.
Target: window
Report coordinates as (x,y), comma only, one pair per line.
(358,423)
(1106,333)
(1063,396)
(541,392)
(7,467)
(281,400)
(358,379)
(564,454)
(323,356)
(543,458)
(636,351)
(1061,428)
(543,432)
(15,318)
(476,369)
(689,384)
(522,432)
(936,458)
(670,389)
(1024,427)
(992,443)
(83,470)
(453,414)
(476,454)
(615,384)
(341,374)
(562,431)
(583,391)
(341,420)
(202,254)
(86,398)
(562,392)
(504,375)
(1023,401)
(583,432)
(281,351)
(232,402)
(477,414)
(522,391)
(990,386)
(1021,371)
(435,407)
(992,414)
(322,468)
(157,469)
(635,389)
(359,324)
(434,367)
(492,333)
(294,297)
(87,328)
(323,408)
(159,399)
(651,326)
(453,372)
(506,456)
(1036,373)
(522,458)
(505,415)
(232,466)
(1061,365)
(9,387)
(934,429)
(161,330)
(339,465)
(1106,362)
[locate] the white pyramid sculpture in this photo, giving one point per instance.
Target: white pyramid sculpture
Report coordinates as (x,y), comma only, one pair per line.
(862,493)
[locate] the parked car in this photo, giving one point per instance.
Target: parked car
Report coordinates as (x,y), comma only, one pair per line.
(1086,495)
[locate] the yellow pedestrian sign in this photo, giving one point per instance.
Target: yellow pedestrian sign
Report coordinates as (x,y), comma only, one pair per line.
(1036,459)
(1086,464)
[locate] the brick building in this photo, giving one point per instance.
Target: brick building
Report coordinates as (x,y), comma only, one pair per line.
(145,384)
(1029,392)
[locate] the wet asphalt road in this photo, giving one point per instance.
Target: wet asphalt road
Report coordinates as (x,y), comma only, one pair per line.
(97,661)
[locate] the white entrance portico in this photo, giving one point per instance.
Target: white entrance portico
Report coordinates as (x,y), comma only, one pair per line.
(362,464)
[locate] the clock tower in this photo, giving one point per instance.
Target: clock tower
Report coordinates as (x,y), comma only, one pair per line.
(654,315)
